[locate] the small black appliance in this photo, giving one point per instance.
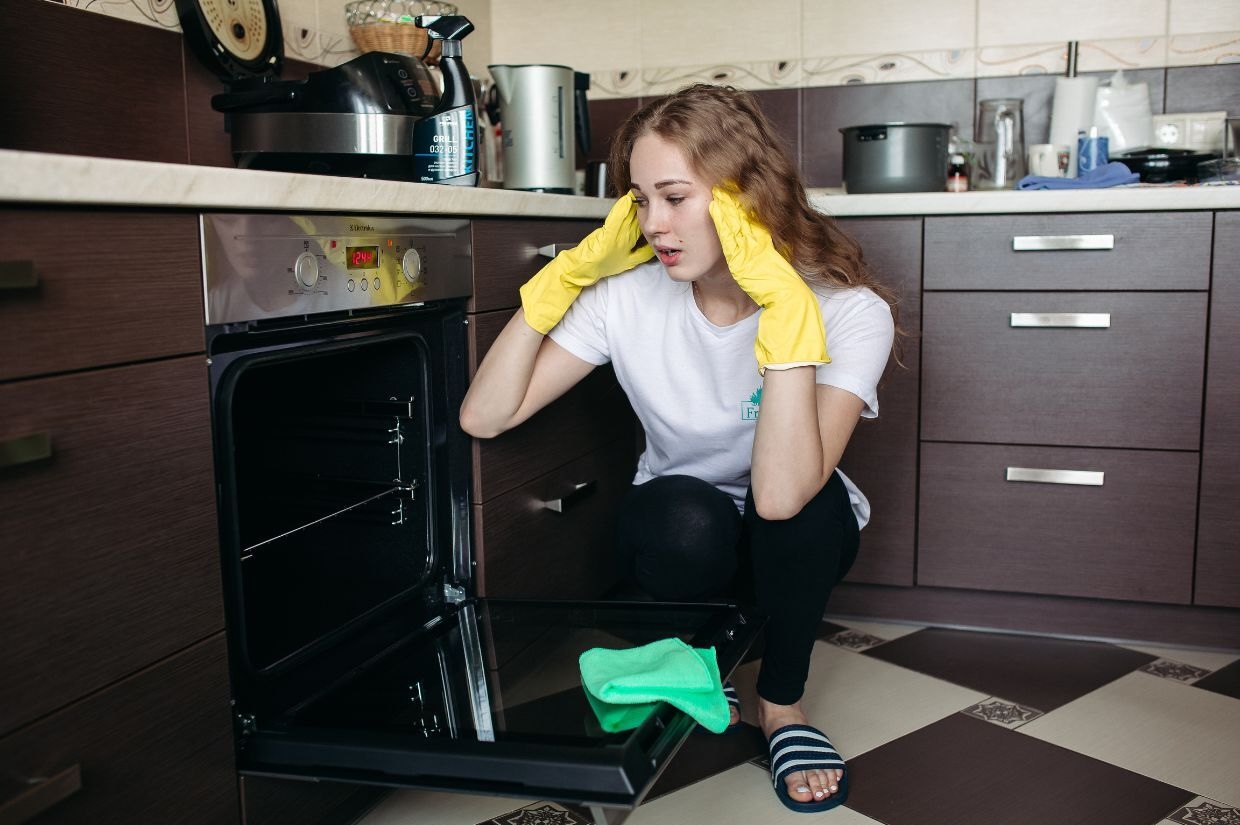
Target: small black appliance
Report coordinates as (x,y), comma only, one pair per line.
(378,115)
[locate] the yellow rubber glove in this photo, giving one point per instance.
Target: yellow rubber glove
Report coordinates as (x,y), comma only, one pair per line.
(790,331)
(606,251)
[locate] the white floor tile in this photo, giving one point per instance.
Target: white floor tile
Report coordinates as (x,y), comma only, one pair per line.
(887,631)
(410,807)
(1208,659)
(861,702)
(1178,734)
(740,796)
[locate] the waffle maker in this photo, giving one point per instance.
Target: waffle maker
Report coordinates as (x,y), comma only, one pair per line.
(367,117)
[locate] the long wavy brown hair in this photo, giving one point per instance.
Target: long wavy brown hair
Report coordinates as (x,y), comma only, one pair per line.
(728,139)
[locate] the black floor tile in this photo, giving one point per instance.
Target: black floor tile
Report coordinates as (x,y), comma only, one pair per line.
(963,771)
(1034,671)
(1225,680)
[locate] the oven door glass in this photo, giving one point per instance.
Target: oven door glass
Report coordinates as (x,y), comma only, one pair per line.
(490,701)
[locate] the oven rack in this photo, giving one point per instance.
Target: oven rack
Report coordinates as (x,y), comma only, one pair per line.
(385,508)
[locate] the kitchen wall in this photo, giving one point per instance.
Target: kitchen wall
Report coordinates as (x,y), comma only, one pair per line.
(649,47)
(136,92)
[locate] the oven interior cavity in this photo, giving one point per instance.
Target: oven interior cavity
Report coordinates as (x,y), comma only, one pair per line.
(333,485)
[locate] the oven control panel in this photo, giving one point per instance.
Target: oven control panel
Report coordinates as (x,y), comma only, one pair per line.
(259,267)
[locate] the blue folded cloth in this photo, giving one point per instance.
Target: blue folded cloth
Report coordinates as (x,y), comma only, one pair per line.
(1112,174)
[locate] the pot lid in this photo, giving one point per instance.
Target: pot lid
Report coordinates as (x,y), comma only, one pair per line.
(896,123)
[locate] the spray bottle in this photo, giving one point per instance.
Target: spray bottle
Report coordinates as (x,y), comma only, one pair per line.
(445,144)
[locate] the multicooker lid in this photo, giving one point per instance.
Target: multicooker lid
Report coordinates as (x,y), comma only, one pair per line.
(234,38)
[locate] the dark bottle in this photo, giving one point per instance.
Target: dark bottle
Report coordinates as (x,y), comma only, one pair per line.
(445,145)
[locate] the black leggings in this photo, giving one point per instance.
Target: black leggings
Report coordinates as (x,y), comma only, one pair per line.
(684,540)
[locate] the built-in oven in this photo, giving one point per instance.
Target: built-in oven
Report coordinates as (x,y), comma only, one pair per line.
(358,652)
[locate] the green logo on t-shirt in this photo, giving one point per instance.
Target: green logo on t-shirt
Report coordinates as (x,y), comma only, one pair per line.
(749,409)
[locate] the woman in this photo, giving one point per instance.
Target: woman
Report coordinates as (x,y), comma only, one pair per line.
(733,315)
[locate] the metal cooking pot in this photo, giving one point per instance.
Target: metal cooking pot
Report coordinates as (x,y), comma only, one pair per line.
(895,157)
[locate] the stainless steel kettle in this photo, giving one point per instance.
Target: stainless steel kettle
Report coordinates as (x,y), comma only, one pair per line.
(542,113)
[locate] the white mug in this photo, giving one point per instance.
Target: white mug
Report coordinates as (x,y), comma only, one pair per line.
(1049,160)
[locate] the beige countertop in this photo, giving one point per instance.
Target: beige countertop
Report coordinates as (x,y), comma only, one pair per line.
(68,180)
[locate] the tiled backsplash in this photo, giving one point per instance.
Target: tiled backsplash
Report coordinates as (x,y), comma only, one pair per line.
(314,30)
(645,47)
(140,94)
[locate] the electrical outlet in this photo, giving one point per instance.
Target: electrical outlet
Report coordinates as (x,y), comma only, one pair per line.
(1199,131)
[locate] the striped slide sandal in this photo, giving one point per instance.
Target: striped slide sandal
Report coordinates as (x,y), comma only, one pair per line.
(803,747)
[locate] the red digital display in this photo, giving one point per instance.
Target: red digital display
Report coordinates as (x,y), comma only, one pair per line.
(361,257)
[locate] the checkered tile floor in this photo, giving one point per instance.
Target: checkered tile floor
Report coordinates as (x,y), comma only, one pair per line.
(951,727)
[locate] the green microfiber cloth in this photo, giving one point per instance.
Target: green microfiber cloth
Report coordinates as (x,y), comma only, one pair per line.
(624,686)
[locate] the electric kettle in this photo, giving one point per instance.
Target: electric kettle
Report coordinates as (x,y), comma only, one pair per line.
(999,160)
(542,113)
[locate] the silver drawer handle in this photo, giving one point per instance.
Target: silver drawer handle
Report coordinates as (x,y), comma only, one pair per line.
(41,796)
(553,249)
(25,449)
(1045,243)
(1083,478)
(1079,320)
(579,492)
(18,275)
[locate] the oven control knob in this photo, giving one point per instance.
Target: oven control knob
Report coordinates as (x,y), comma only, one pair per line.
(306,270)
(411,266)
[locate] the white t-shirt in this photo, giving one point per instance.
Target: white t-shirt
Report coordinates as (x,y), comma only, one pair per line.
(695,386)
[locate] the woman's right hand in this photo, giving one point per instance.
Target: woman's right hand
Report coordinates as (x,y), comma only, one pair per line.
(606,251)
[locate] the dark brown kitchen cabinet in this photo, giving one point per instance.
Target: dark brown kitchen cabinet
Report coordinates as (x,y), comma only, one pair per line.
(1218,536)
(882,455)
(114,532)
(1115,524)
(114,703)
(1046,338)
(153,749)
(507,252)
(544,492)
(1110,369)
(77,288)
(1089,251)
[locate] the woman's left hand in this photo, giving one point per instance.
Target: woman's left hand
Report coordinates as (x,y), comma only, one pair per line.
(790,331)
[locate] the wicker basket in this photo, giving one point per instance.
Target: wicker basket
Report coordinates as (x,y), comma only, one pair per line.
(387,26)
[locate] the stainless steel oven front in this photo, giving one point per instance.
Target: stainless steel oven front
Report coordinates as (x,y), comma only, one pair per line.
(337,353)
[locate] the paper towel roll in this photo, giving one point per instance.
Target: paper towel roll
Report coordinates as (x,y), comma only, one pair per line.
(1072,111)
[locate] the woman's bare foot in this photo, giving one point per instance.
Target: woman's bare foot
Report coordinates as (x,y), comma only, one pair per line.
(803,786)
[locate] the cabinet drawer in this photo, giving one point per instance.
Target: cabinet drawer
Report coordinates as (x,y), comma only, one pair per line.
(1085,251)
(96,278)
(1129,538)
(111,542)
(590,415)
(506,255)
(1134,383)
(156,748)
(528,549)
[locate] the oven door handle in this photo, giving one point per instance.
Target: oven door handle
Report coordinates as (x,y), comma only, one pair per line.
(42,795)
(579,492)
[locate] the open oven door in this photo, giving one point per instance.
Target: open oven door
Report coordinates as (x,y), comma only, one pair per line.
(489,700)
(357,652)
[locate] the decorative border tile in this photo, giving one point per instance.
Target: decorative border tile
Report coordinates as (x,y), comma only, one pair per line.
(890,68)
(1202,811)
(1204,49)
(1092,56)
(1176,671)
(1002,712)
(854,640)
(538,813)
(615,83)
(775,74)
(159,13)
